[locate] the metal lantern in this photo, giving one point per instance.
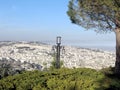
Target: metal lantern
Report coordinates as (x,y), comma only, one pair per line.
(58,40)
(56,49)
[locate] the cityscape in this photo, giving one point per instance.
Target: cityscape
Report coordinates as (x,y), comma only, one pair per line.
(60,45)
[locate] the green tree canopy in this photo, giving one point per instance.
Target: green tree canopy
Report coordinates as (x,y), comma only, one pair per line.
(102,15)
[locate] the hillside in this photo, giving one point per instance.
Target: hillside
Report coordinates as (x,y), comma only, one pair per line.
(41,54)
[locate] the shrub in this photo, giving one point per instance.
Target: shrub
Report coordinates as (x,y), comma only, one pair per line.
(7,70)
(57,79)
(53,64)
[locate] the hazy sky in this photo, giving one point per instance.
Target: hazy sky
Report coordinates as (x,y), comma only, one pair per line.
(42,20)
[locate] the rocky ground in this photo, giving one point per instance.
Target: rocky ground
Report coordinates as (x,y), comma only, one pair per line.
(40,55)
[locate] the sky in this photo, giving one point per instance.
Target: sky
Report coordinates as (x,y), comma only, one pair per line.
(43,20)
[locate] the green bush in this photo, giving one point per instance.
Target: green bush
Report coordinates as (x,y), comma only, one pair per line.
(53,64)
(60,79)
(7,70)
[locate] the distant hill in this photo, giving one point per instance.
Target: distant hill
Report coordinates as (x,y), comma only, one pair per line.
(41,54)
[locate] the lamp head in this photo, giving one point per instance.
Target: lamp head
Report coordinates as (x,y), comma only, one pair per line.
(58,40)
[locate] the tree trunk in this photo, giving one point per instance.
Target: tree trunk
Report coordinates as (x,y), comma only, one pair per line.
(117,63)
